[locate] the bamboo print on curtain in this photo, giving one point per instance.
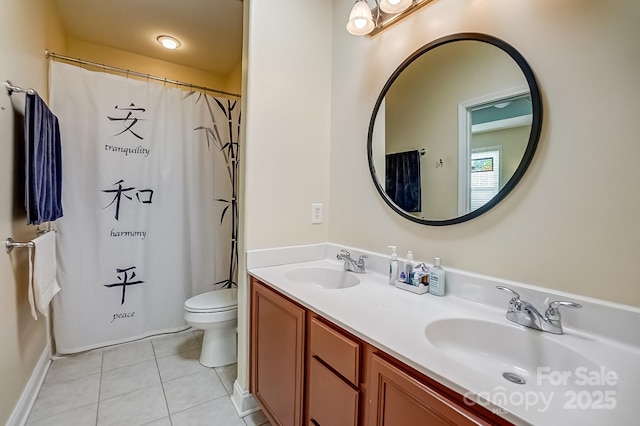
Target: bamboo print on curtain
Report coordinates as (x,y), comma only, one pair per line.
(141,231)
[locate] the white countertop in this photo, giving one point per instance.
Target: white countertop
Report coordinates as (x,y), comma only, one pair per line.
(395,321)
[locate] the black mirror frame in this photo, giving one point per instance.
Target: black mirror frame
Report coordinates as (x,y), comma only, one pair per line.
(536,125)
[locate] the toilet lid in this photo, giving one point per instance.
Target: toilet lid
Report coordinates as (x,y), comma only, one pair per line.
(219,300)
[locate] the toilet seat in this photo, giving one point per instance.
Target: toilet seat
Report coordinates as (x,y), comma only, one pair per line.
(213,301)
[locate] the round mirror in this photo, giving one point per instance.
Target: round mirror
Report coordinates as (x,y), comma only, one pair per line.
(454,129)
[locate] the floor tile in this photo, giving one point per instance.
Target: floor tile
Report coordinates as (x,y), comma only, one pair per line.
(74,366)
(127,354)
(133,408)
(140,383)
(127,379)
(189,391)
(183,364)
(56,398)
(165,421)
(198,334)
(255,419)
(220,411)
(83,416)
(175,343)
(228,375)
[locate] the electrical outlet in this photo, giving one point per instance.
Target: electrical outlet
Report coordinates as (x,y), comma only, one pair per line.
(316,213)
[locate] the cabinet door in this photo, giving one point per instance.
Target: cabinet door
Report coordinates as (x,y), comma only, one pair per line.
(332,402)
(277,351)
(397,399)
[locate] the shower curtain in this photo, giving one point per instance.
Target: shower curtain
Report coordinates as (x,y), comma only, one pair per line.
(142,230)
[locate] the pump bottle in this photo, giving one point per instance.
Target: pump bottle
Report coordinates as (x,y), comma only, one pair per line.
(393,266)
(436,278)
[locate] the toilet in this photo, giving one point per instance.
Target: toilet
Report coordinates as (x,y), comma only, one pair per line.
(215,312)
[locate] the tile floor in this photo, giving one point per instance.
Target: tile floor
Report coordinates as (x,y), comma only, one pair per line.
(155,382)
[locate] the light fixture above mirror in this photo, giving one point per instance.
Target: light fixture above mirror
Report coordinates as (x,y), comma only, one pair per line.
(363,20)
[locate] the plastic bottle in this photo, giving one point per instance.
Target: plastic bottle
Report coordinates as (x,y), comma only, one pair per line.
(408,267)
(393,266)
(436,278)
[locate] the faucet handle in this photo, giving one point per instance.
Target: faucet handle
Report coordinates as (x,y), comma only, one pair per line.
(344,253)
(514,295)
(552,310)
(515,304)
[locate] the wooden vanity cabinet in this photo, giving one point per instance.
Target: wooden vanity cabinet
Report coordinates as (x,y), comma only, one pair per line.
(305,370)
(277,355)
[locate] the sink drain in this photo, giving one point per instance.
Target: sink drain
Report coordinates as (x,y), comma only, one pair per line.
(514,378)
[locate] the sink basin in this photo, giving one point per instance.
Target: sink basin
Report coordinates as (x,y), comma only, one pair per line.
(323,277)
(507,352)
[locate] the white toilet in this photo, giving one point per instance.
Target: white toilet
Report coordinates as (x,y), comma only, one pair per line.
(215,312)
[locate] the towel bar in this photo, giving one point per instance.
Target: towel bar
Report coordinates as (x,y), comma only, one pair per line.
(9,244)
(12,88)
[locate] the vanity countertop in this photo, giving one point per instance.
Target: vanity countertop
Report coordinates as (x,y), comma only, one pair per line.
(395,321)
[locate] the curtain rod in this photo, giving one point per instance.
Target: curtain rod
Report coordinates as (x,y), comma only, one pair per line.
(135,73)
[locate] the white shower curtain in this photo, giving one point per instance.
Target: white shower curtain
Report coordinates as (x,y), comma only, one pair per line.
(141,216)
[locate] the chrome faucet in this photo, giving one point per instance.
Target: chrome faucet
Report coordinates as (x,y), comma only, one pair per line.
(350,264)
(524,313)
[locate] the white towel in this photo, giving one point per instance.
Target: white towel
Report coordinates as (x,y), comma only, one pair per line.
(42,273)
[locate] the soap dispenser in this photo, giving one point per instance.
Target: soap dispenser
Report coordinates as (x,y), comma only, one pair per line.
(436,278)
(393,266)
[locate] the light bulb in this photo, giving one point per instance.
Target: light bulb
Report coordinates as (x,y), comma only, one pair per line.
(395,6)
(169,42)
(360,19)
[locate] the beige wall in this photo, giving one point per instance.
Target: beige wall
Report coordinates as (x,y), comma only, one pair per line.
(286,131)
(27,28)
(233,81)
(576,210)
(287,122)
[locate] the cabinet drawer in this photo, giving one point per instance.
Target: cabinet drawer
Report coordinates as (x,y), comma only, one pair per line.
(332,402)
(337,350)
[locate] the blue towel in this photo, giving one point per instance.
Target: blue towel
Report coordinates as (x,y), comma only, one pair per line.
(43,162)
(402,182)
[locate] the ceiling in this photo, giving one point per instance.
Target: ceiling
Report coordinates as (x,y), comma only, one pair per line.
(210,30)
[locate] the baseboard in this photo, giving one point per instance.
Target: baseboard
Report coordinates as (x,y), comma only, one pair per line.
(21,411)
(243,400)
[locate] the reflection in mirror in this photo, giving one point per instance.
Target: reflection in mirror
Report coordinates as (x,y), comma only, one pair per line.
(493,136)
(470,105)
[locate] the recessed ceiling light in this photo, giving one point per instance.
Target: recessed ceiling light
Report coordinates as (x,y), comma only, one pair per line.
(169,42)
(502,104)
